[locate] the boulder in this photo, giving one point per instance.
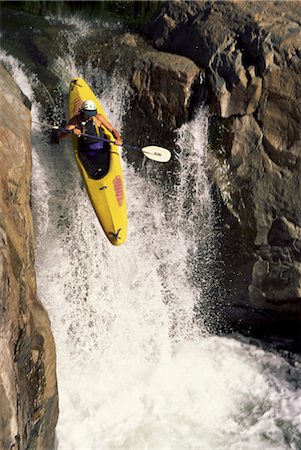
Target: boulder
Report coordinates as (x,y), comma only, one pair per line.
(165,85)
(28,387)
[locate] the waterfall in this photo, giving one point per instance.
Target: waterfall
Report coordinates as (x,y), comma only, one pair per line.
(135,369)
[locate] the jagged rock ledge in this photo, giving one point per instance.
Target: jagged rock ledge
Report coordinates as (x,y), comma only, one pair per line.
(251,53)
(28,386)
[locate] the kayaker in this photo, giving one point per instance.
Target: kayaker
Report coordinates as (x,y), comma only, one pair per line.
(94,154)
(88,121)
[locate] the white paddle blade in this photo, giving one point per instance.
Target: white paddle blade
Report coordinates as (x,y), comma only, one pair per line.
(155,153)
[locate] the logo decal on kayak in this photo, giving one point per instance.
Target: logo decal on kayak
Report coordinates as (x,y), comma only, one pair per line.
(77,106)
(117,182)
(115,235)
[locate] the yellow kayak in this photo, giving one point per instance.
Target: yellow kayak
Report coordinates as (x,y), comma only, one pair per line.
(107,192)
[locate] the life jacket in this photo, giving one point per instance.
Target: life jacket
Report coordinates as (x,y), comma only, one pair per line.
(88,144)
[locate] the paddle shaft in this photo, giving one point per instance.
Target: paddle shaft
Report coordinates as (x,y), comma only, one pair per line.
(130,147)
(152,152)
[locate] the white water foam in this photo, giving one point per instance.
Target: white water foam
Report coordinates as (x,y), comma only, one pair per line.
(133,370)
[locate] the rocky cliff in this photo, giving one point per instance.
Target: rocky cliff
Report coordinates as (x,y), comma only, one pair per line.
(250,52)
(28,389)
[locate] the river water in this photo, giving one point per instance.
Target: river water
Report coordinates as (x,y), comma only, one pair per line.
(137,367)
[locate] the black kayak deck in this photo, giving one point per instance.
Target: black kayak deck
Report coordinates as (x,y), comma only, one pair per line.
(98,165)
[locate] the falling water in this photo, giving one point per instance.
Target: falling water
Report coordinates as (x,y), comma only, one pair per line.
(135,369)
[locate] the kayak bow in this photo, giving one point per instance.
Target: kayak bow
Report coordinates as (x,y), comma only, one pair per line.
(106,187)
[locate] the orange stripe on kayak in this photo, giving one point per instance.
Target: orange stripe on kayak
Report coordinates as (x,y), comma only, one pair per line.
(77,106)
(117,182)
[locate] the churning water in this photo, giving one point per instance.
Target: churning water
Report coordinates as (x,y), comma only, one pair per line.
(135,369)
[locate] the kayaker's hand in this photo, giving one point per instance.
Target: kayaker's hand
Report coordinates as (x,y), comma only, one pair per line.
(118,141)
(77,132)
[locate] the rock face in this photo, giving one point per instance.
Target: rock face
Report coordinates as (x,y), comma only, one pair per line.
(164,83)
(28,388)
(251,54)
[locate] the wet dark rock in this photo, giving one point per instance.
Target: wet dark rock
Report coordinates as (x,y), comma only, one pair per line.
(251,53)
(28,389)
(40,43)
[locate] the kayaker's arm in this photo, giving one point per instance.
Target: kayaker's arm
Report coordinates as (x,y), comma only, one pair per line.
(72,126)
(110,127)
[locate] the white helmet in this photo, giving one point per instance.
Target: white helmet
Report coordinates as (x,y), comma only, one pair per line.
(89,108)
